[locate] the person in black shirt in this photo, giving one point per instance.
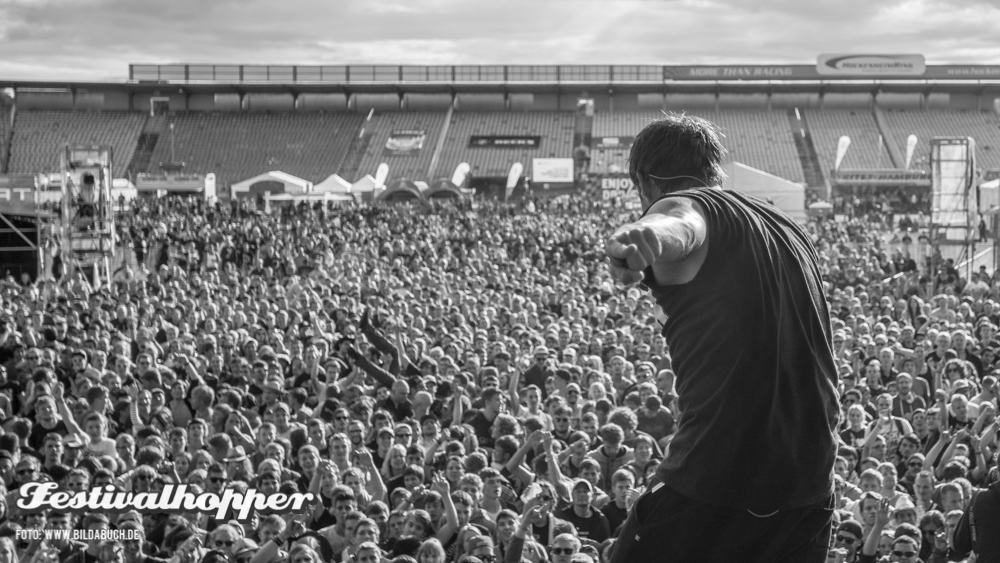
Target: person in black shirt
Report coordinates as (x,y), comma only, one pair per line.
(590,524)
(749,332)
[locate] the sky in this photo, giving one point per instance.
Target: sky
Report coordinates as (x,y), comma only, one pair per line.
(97,39)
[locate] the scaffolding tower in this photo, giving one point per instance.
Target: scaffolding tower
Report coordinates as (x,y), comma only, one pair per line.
(87,220)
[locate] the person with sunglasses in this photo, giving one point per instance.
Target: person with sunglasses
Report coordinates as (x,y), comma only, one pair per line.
(224,539)
(848,537)
(564,547)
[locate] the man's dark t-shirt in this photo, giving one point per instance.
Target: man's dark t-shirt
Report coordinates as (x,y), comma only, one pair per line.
(483,427)
(594,528)
(616,517)
(751,346)
(38,433)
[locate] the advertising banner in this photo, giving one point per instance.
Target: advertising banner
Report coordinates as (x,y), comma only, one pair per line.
(613,142)
(958,72)
(17,193)
(504,141)
(871,65)
(552,170)
(405,142)
(621,189)
(741,72)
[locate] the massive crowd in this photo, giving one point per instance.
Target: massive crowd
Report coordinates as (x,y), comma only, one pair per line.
(456,384)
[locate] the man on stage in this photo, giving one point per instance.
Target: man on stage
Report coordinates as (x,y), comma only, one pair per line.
(749,474)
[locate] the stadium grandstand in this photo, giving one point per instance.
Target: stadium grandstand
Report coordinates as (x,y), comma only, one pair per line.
(239,122)
(761,139)
(237,146)
(37,136)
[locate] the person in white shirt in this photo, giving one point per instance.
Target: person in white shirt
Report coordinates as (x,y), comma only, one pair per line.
(96,426)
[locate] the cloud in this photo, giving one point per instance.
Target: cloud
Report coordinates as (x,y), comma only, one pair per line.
(97,39)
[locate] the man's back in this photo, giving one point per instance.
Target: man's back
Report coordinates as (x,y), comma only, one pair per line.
(751,346)
(986,515)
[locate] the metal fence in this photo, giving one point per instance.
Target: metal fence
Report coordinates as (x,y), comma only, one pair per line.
(396,74)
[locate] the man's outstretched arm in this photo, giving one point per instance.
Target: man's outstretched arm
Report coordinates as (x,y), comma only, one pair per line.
(672,231)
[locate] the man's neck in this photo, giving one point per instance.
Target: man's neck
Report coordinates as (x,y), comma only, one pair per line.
(582,511)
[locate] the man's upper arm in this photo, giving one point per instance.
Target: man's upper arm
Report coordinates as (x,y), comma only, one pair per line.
(688,214)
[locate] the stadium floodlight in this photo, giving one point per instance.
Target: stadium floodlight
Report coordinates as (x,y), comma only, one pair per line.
(461,173)
(381,174)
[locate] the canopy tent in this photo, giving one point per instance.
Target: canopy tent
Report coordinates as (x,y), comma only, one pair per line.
(787,196)
(122,187)
(443,188)
(820,209)
(274,182)
(989,195)
(308,197)
(402,190)
(333,184)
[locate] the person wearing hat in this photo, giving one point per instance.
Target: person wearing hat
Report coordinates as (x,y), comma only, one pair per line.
(539,371)
(481,546)
(73,450)
(244,550)
(589,523)
(849,537)
(274,388)
(903,512)
(280,417)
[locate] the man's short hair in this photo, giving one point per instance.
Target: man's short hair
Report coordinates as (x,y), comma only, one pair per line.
(676,152)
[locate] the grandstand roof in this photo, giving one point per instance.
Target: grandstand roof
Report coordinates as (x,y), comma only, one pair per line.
(240,79)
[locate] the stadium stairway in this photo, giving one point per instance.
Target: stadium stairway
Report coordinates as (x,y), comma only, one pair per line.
(144,147)
(812,170)
(887,138)
(439,146)
(356,152)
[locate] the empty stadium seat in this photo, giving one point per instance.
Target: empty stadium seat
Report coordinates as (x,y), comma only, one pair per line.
(554,128)
(983,126)
(865,152)
(757,138)
(237,146)
(413,166)
(4,134)
(38,136)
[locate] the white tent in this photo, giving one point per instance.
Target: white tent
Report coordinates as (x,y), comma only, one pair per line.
(365,184)
(333,184)
(290,184)
(785,195)
(989,195)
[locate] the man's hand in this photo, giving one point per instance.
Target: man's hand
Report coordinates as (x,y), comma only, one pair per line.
(882,516)
(631,250)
